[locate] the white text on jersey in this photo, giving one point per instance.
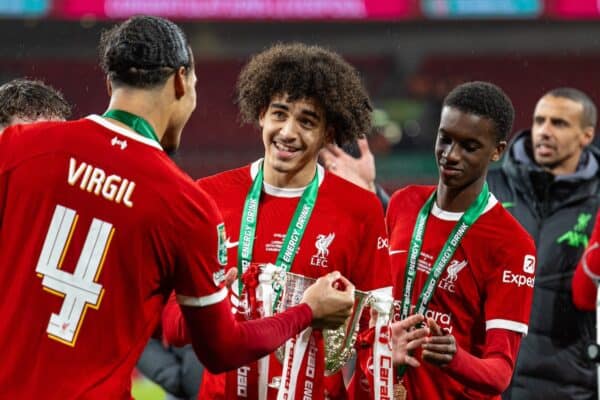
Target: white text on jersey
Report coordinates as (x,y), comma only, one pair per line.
(94,180)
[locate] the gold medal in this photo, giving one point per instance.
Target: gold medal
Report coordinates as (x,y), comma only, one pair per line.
(399,391)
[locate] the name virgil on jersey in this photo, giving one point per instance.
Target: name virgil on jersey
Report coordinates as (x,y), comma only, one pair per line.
(95,180)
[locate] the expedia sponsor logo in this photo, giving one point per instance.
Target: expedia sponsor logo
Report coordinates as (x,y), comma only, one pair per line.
(242,381)
(322,244)
(382,243)
(517,279)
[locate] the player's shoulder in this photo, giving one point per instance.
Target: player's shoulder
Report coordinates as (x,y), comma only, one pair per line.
(349,196)
(409,196)
(227,182)
(39,130)
(187,200)
(506,222)
(506,229)
(229,177)
(21,141)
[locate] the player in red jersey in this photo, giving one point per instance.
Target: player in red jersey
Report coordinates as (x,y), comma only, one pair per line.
(25,101)
(302,97)
(461,259)
(99,226)
(587,274)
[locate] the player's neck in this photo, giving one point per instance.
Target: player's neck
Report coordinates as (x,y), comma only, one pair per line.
(458,199)
(143,106)
(289,179)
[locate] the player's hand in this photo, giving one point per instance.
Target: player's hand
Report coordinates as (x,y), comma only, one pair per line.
(360,171)
(439,349)
(406,338)
(331,299)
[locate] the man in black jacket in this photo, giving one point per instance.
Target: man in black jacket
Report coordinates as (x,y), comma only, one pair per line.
(550,182)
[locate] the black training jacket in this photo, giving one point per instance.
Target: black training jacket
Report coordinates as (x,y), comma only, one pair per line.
(559,213)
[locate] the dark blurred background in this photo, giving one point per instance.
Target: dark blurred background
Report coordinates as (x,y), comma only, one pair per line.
(409,52)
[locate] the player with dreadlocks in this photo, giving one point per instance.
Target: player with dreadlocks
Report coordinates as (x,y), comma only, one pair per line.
(99,226)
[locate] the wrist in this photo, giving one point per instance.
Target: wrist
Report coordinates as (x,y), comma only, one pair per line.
(311,307)
(307,313)
(457,359)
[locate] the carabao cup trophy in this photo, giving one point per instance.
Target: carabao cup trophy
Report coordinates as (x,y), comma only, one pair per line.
(338,343)
(278,290)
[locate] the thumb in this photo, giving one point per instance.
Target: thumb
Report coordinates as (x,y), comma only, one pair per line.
(435,329)
(333,276)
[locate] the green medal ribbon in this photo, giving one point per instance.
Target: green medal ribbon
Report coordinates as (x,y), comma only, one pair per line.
(293,237)
(138,124)
(458,232)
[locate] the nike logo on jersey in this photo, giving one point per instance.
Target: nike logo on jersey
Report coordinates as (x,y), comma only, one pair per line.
(121,143)
(392,252)
(229,244)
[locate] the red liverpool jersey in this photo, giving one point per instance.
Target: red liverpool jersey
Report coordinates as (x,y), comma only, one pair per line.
(587,273)
(98,227)
(488,283)
(346,233)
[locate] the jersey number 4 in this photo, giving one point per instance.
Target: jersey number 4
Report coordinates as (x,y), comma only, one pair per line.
(80,288)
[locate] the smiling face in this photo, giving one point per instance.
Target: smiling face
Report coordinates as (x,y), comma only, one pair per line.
(293,133)
(557,134)
(465,146)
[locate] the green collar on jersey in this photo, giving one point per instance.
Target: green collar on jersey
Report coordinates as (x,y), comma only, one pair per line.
(138,124)
(293,237)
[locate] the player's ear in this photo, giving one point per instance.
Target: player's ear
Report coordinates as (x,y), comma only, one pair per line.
(330,135)
(108,86)
(261,117)
(179,80)
(499,150)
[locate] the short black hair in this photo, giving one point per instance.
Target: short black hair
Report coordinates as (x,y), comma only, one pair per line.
(485,100)
(589,116)
(301,71)
(30,100)
(143,51)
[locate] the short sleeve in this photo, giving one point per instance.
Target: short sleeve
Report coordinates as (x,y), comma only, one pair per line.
(509,288)
(201,253)
(584,288)
(373,263)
